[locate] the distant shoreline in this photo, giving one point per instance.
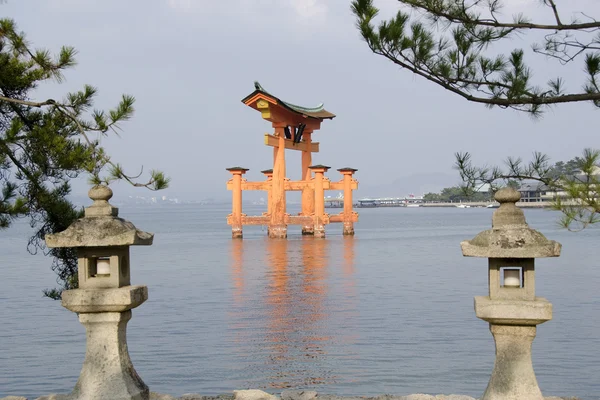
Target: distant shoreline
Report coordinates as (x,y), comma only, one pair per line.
(522,204)
(475,204)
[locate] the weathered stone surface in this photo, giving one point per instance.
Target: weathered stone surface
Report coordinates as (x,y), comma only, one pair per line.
(334,397)
(298,395)
(513,377)
(160,396)
(513,243)
(100,227)
(104,300)
(101,208)
(99,232)
(513,312)
(196,396)
(510,236)
(253,394)
(561,398)
(192,396)
(389,397)
(107,372)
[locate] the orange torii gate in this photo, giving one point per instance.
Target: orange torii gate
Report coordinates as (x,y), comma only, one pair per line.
(294,126)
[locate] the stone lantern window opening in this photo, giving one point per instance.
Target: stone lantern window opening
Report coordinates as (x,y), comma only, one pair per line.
(99,267)
(92,267)
(512,277)
(497,275)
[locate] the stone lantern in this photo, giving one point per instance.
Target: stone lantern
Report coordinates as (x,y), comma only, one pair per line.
(104,299)
(512,309)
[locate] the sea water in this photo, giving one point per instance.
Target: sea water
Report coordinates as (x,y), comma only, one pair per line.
(387,311)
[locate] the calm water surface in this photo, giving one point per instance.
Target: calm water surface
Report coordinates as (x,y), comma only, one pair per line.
(388,311)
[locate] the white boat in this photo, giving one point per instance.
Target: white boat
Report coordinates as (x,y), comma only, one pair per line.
(463,206)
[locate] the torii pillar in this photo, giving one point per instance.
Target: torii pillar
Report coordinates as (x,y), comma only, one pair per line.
(347,180)
(319,200)
(277,226)
(236,201)
(268,173)
(308,194)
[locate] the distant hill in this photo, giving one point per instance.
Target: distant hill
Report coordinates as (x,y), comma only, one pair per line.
(417,184)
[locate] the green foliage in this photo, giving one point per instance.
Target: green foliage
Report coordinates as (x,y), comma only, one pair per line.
(575,184)
(457,194)
(450,47)
(43,145)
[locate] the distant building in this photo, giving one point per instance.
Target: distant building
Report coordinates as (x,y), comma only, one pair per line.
(410,201)
(537,191)
(485,188)
(534,192)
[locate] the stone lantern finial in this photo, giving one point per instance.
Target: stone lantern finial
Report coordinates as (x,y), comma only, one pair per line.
(100,194)
(508,213)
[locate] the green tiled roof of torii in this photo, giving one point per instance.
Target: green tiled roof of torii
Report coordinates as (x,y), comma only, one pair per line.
(318,112)
(319,166)
(237,169)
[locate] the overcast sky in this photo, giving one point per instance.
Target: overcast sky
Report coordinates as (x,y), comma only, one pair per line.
(190,62)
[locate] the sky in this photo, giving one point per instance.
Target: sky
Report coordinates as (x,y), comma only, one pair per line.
(190,62)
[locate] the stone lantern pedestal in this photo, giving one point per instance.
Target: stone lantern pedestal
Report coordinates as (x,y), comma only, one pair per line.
(107,371)
(104,299)
(513,326)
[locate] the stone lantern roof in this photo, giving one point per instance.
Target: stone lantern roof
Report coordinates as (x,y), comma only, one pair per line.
(101,226)
(510,236)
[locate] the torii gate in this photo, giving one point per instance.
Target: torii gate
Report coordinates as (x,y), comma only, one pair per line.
(294,126)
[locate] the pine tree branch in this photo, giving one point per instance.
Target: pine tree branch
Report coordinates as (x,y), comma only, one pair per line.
(455,18)
(456,61)
(48,102)
(555,11)
(64,109)
(105,159)
(17,163)
(502,102)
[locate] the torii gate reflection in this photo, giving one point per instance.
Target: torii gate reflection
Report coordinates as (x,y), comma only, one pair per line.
(286,325)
